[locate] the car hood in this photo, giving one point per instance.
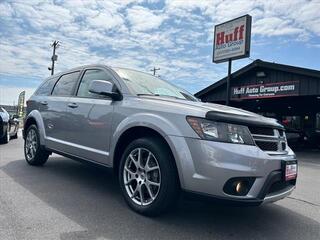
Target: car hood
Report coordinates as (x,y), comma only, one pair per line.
(213,111)
(4,117)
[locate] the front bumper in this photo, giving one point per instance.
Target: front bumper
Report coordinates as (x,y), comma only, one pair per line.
(204,167)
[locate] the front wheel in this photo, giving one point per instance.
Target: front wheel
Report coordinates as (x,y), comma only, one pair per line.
(35,154)
(148,176)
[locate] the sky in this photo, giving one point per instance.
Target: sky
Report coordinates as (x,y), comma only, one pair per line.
(173,35)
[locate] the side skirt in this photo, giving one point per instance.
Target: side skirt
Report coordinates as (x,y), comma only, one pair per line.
(79,159)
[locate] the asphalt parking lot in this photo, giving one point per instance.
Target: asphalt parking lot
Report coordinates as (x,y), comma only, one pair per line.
(69,200)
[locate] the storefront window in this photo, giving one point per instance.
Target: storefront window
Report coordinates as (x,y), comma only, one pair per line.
(292,122)
(318,121)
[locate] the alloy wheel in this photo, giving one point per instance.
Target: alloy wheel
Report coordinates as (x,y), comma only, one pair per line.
(142,176)
(31,144)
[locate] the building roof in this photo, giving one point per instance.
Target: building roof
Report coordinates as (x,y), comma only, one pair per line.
(264,64)
(10,108)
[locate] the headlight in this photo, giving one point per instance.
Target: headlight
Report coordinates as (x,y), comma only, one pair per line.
(221,132)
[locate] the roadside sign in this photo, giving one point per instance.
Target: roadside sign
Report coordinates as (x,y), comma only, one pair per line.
(232,39)
(268,90)
(21,99)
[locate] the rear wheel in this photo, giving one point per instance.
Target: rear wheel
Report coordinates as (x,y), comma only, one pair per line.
(35,154)
(6,137)
(148,176)
(15,136)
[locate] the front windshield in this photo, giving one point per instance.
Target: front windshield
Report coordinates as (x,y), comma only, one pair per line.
(145,84)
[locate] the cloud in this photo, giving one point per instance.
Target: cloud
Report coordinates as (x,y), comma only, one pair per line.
(275,26)
(174,35)
(105,20)
(300,17)
(143,19)
(6,10)
(41,16)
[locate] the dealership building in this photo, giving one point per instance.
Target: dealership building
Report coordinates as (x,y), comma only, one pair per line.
(287,93)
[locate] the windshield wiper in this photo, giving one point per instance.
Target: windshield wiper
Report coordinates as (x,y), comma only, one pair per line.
(170,96)
(147,94)
(159,95)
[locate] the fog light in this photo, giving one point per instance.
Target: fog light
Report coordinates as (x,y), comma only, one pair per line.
(239,186)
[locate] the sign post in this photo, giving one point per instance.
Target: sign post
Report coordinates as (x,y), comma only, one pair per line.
(232,41)
(228,81)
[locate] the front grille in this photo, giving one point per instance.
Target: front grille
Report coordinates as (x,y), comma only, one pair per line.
(267,146)
(270,140)
(261,131)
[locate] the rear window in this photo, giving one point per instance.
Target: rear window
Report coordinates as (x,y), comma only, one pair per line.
(66,84)
(46,88)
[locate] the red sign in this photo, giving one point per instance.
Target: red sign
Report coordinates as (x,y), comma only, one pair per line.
(232,39)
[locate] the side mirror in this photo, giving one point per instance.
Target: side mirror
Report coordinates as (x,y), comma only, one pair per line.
(105,88)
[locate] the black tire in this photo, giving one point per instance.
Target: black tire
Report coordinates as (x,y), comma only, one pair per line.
(169,189)
(41,154)
(15,136)
(6,137)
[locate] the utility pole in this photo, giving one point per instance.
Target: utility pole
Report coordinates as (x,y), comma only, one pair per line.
(54,57)
(154,70)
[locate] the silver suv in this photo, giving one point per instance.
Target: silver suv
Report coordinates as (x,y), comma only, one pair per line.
(159,139)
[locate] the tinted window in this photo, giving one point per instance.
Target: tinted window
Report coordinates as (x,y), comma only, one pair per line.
(46,87)
(318,121)
(66,84)
(88,77)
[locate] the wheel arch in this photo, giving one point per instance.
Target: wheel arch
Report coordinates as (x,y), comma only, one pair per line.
(132,134)
(34,117)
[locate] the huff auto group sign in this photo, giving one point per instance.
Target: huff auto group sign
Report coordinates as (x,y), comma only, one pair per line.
(232,39)
(268,90)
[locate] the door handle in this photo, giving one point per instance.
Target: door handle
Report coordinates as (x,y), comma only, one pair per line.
(72,105)
(44,102)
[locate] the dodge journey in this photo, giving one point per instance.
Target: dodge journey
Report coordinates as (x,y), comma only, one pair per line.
(159,139)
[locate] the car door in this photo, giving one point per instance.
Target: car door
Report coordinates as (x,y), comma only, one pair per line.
(91,114)
(54,110)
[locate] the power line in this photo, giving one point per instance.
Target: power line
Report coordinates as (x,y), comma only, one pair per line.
(75,50)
